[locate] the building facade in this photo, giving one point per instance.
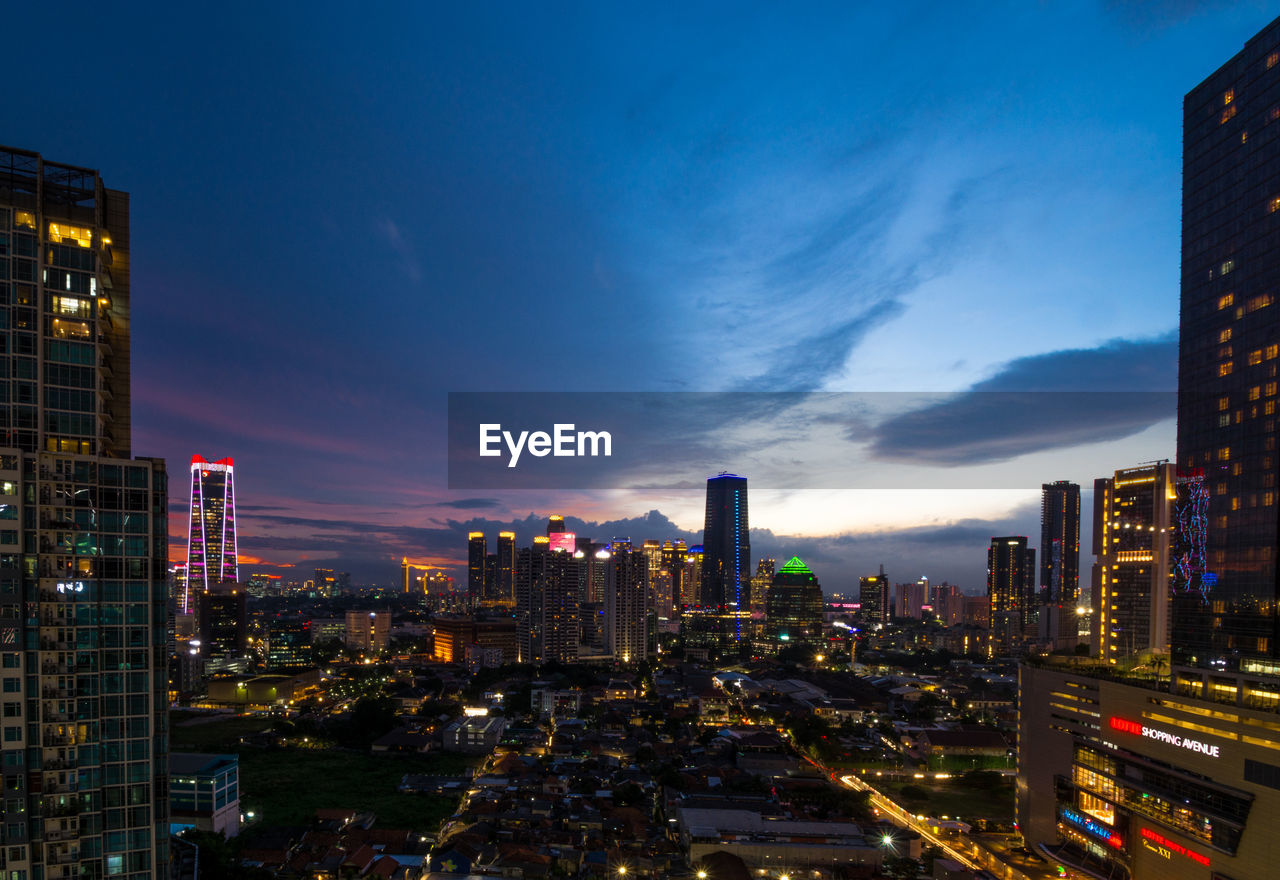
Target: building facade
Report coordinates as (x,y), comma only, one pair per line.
(726,562)
(1060,560)
(1133,530)
(793,607)
(83,543)
(873,598)
(1011,588)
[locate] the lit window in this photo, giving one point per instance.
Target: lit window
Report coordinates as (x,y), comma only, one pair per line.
(1235,503)
(1271,351)
(1224,404)
(1261,301)
(63,233)
(1227,114)
(1224,454)
(25,219)
(1269,408)
(1273,59)
(1225,335)
(1273,205)
(1269,390)
(1227,266)
(1225,368)
(1268,499)
(1228,96)
(1255,357)
(1255,392)
(1227,299)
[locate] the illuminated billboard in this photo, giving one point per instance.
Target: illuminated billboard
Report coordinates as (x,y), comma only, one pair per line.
(566,541)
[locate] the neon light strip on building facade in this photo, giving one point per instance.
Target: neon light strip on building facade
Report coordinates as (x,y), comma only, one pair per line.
(211,527)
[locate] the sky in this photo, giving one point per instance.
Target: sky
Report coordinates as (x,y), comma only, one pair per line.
(338,220)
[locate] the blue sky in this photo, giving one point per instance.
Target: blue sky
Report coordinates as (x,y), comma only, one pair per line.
(338,219)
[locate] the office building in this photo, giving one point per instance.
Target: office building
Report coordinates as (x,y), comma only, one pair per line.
(726,548)
(288,644)
(1170,770)
(205,792)
(211,528)
(1133,529)
(223,620)
(873,598)
(1060,561)
(454,633)
(368,631)
(793,607)
(83,558)
(674,557)
(1011,588)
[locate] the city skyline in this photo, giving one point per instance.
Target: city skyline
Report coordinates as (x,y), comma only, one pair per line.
(802,190)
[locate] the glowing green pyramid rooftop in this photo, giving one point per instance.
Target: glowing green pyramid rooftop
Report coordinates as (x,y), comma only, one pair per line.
(795,566)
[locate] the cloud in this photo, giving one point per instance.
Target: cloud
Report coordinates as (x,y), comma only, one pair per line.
(470,503)
(1048,401)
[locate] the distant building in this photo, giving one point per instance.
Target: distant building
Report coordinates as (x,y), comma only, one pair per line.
(760,582)
(223,621)
(453,633)
(1011,589)
(328,629)
(1060,560)
(211,534)
(474,735)
(873,598)
(368,631)
(626,611)
(910,599)
(477,550)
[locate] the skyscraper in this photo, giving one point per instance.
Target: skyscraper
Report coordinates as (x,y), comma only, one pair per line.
(1228,606)
(873,598)
(1133,528)
(793,607)
(548,585)
(506,569)
(211,526)
(477,550)
(1060,559)
(726,563)
(83,607)
(1011,569)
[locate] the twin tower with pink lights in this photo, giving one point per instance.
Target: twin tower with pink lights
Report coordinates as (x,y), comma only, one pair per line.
(211,529)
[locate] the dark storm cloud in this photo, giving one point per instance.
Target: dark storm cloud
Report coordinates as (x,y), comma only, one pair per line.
(1039,403)
(470,503)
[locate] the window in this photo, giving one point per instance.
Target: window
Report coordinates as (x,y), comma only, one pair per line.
(24,219)
(1261,301)
(1225,335)
(1255,357)
(1226,300)
(1224,454)
(1227,114)
(63,233)
(1227,266)
(1273,59)
(1273,205)
(1225,368)
(12,686)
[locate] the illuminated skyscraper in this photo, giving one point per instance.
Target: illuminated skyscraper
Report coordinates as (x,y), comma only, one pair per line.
(477,550)
(1133,526)
(84,551)
(211,530)
(873,598)
(726,563)
(548,585)
(1011,587)
(793,607)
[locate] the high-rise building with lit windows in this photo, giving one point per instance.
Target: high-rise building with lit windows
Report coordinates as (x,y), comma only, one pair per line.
(1227,599)
(1011,566)
(726,561)
(1133,533)
(211,530)
(83,543)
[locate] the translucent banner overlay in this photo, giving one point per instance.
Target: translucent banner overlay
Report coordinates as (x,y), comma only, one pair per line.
(800,440)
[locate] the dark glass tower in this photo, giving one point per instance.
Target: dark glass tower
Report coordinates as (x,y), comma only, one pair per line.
(726,546)
(1060,558)
(1226,600)
(83,542)
(477,553)
(1011,569)
(793,607)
